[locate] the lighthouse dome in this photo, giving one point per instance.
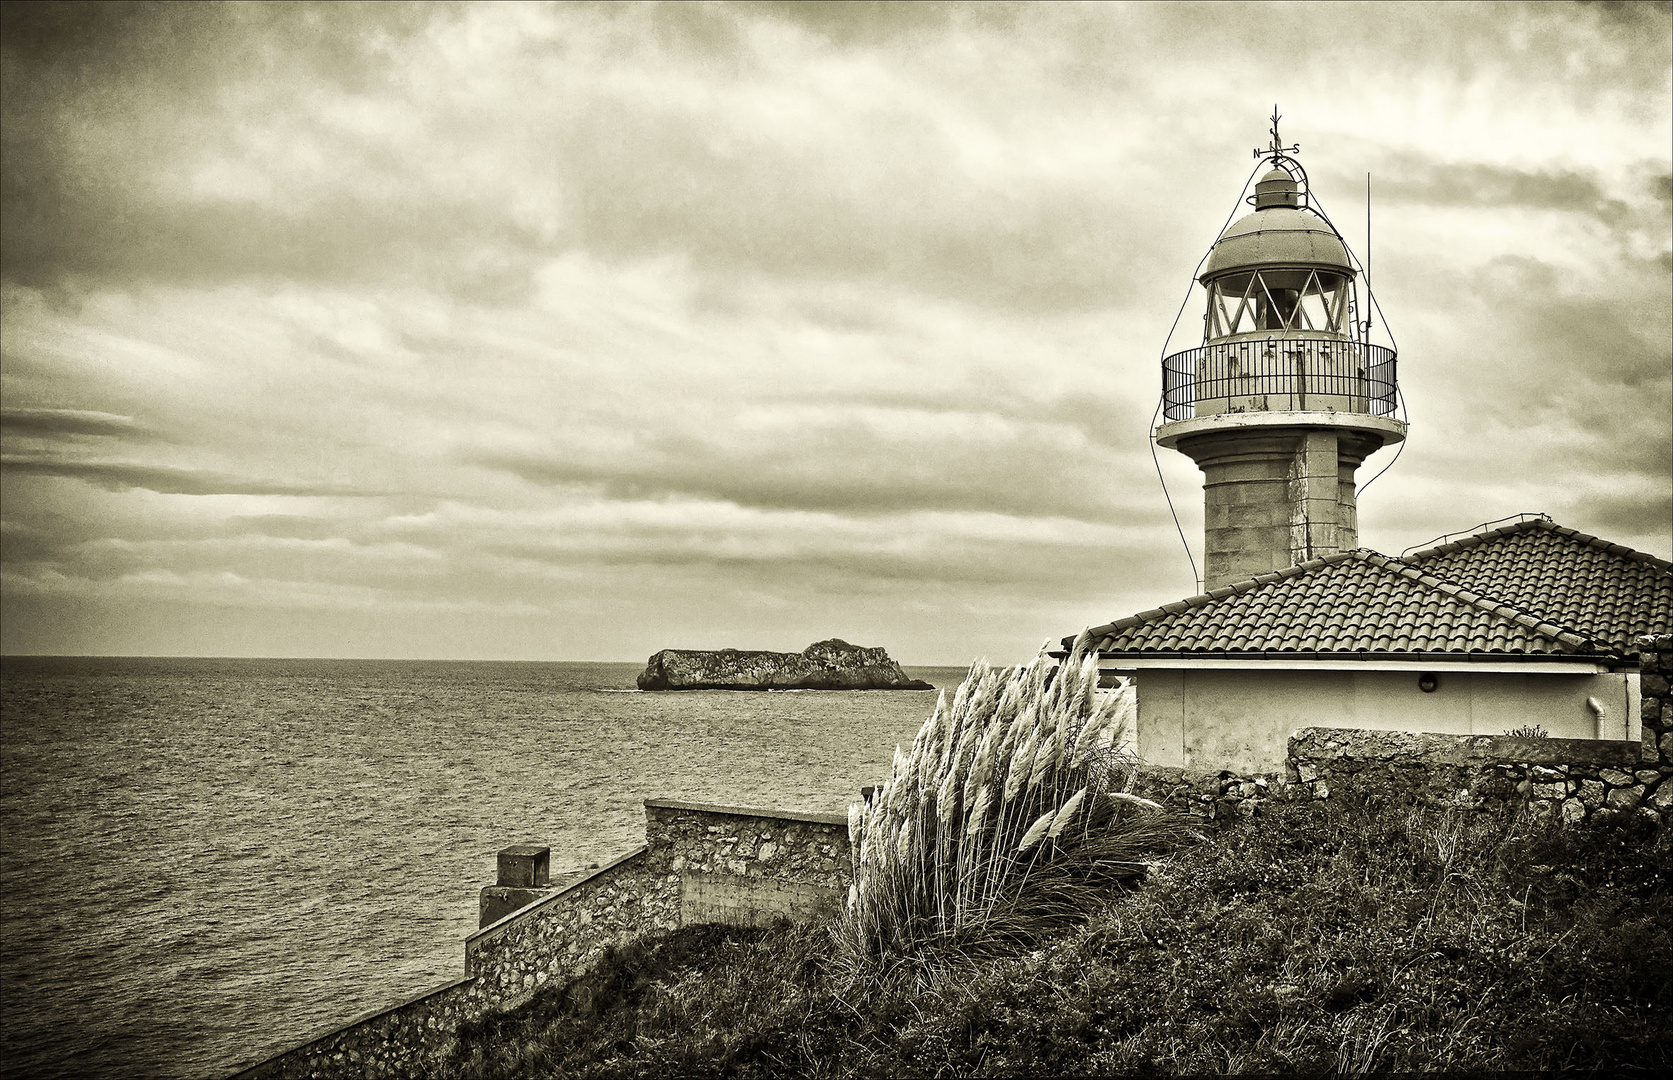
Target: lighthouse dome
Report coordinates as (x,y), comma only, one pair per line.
(1274,236)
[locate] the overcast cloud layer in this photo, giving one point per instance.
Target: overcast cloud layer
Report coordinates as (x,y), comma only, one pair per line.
(577,332)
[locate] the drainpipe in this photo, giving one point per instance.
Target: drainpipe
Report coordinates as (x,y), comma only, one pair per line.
(1608,725)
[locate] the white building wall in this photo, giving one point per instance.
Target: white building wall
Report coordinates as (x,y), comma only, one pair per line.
(1242,720)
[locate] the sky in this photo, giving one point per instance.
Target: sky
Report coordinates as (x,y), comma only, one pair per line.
(582,331)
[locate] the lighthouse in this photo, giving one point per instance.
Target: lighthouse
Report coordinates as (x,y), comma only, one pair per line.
(1287,395)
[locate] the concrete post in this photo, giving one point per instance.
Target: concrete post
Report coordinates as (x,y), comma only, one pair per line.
(524,876)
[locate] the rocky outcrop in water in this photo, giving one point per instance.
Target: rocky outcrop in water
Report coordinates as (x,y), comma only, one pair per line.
(824,665)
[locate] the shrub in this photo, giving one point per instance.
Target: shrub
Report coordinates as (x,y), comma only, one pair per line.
(1012,810)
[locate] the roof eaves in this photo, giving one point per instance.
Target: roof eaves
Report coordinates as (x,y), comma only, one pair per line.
(1484,656)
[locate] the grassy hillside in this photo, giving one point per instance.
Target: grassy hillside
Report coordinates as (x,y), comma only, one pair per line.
(1350,936)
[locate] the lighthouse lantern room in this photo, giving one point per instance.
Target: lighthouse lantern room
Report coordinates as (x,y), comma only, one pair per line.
(1287,395)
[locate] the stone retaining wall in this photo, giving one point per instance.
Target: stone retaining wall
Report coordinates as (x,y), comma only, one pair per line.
(557,937)
(701,863)
(393,1042)
(748,867)
(745,865)
(560,936)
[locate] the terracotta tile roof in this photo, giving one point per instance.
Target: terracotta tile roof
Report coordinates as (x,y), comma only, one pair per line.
(1357,602)
(1601,590)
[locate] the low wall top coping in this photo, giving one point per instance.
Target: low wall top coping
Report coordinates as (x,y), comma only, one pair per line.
(1313,743)
(747,811)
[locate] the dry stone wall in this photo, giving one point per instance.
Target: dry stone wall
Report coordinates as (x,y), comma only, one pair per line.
(1655,654)
(1573,780)
(557,937)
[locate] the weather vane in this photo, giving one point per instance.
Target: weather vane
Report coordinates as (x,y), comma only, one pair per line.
(1277,150)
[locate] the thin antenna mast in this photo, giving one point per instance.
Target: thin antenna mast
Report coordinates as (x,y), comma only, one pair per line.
(1367,255)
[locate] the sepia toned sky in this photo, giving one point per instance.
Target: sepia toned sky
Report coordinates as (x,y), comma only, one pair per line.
(578,332)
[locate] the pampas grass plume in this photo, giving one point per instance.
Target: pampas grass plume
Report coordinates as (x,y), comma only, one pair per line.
(1004,785)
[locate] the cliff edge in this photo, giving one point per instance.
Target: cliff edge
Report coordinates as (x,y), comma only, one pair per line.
(824,665)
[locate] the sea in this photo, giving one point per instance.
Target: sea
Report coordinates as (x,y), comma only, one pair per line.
(204,862)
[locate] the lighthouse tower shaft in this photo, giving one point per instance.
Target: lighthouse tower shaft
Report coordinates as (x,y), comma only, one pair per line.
(1275,496)
(1285,398)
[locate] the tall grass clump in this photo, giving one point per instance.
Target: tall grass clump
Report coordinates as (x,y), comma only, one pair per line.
(1010,813)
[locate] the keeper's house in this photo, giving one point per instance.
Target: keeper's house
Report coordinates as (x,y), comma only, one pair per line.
(1529,624)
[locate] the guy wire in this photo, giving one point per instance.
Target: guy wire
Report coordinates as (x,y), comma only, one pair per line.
(1154,460)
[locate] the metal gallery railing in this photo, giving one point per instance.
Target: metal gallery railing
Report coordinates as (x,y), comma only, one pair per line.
(1279,375)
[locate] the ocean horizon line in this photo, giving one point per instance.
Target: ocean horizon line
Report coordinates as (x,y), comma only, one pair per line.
(389,659)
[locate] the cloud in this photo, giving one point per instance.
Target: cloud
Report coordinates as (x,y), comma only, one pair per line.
(49,423)
(324,172)
(863,461)
(347,146)
(873,22)
(163,479)
(586,328)
(1476,184)
(153,170)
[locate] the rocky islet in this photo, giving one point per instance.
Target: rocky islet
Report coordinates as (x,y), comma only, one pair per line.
(832,664)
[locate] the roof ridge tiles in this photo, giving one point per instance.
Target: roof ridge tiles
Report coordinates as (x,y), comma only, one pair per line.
(1475,539)
(1545,525)
(1533,620)
(1569,637)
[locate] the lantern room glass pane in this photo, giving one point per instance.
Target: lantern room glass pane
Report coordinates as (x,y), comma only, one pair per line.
(1230,308)
(1278,299)
(1324,303)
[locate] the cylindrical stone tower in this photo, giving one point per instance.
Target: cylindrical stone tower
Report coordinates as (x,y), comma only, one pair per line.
(1286,396)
